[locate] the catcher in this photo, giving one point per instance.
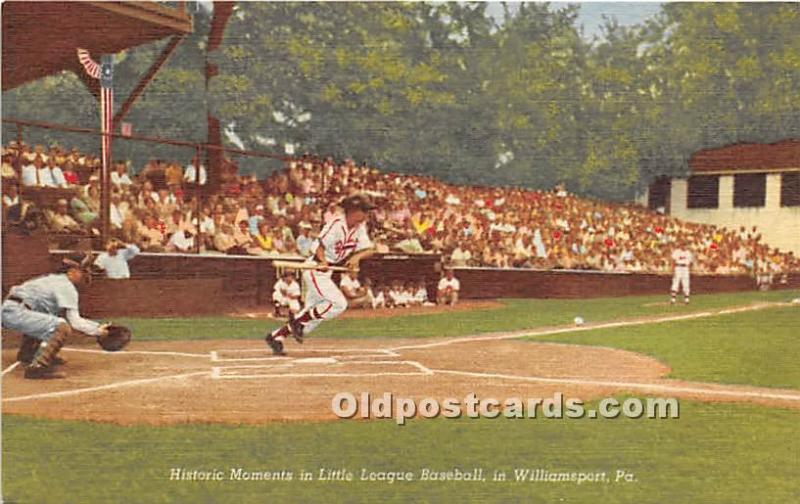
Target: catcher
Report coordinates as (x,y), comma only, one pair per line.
(35,309)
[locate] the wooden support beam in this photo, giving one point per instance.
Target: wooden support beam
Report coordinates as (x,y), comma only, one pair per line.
(151,72)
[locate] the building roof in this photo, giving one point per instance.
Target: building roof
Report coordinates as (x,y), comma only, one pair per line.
(41,38)
(747,157)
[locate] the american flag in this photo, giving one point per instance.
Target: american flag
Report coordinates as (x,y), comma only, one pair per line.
(105,73)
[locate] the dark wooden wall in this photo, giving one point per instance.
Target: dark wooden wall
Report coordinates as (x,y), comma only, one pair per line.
(185,285)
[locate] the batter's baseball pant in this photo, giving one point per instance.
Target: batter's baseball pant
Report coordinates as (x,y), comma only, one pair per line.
(322,296)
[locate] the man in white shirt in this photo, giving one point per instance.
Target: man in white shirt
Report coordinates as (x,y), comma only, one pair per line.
(56,175)
(30,175)
(114,261)
(286,294)
(448,288)
(190,175)
(682,261)
(119,177)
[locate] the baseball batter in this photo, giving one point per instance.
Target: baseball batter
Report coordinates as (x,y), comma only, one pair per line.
(286,293)
(343,241)
(34,308)
(682,261)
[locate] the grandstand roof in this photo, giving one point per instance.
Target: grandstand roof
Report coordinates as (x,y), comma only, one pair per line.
(747,157)
(41,38)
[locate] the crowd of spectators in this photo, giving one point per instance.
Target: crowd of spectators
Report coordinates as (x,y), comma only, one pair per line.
(157,209)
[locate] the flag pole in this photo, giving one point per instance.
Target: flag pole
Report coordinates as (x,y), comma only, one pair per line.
(107,128)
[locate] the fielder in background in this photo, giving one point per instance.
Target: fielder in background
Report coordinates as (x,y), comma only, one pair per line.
(114,261)
(447,290)
(286,294)
(34,308)
(682,261)
(343,241)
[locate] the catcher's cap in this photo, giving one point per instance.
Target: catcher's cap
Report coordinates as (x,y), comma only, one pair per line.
(357,202)
(78,260)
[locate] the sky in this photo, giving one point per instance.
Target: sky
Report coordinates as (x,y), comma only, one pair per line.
(591,13)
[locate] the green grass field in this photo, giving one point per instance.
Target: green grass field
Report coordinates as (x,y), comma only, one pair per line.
(719,453)
(713,453)
(514,314)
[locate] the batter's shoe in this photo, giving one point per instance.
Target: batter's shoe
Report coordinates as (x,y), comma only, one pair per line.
(275,345)
(296,327)
(26,360)
(42,373)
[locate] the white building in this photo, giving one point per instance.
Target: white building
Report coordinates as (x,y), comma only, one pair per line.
(739,185)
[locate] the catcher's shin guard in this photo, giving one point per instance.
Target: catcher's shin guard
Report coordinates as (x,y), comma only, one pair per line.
(46,354)
(27,349)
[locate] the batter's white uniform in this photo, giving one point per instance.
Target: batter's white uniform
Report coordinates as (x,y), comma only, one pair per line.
(322,294)
(682,260)
(287,294)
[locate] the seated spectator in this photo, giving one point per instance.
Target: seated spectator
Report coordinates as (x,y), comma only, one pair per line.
(263,239)
(223,239)
(242,238)
(57,173)
(255,219)
(180,241)
(87,208)
(448,288)
(356,295)
(8,171)
(114,261)
(60,221)
(30,173)
(70,175)
(460,257)
(152,232)
(119,177)
(305,242)
(44,172)
(10,196)
(286,294)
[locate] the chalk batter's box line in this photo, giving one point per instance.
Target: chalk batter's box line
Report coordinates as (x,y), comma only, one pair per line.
(217,372)
(370,353)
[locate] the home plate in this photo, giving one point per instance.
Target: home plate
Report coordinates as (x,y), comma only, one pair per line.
(316,360)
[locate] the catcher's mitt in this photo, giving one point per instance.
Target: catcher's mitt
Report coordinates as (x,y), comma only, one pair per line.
(118,336)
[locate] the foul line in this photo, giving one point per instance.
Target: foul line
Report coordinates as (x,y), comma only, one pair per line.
(66,393)
(10,368)
(136,352)
(569,329)
(641,386)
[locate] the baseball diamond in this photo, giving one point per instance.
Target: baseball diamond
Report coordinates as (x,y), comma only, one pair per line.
(400,252)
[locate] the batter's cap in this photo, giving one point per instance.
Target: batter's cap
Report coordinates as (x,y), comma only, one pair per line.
(357,202)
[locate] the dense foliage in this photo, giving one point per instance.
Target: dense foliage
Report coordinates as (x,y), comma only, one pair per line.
(445,89)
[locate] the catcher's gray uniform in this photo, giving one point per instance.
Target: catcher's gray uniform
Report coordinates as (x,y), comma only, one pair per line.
(34,308)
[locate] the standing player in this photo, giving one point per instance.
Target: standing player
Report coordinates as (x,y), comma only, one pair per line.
(682,261)
(286,294)
(342,241)
(34,308)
